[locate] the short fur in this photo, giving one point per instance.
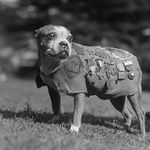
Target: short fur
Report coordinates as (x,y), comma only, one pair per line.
(80,71)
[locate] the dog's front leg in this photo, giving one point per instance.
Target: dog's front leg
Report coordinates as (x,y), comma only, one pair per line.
(56,105)
(79,104)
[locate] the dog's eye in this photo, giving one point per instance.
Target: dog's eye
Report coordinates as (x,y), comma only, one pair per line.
(51,36)
(70,38)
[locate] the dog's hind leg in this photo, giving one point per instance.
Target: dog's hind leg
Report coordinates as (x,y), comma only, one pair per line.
(121,105)
(135,101)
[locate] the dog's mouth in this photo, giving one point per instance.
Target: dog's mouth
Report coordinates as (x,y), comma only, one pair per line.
(61,55)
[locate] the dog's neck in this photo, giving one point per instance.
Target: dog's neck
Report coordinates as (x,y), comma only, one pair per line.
(49,64)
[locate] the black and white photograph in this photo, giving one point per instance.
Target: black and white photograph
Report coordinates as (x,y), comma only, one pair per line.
(74,75)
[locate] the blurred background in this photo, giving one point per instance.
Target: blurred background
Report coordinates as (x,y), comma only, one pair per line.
(118,23)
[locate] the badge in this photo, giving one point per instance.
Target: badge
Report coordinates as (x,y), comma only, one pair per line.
(114,71)
(91,61)
(93,69)
(120,67)
(108,73)
(121,75)
(100,75)
(99,63)
(131,75)
(128,65)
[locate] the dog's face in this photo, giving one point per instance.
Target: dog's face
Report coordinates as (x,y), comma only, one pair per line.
(55,40)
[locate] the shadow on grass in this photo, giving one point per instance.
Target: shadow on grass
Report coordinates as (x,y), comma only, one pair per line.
(45,117)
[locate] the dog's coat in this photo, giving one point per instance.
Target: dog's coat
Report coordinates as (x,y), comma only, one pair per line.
(105,72)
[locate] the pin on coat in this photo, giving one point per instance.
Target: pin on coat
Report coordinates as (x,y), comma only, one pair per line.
(80,71)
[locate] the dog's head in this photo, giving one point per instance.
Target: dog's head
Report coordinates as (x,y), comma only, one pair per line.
(55,41)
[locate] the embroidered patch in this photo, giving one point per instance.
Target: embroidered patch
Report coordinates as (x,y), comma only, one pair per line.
(73,66)
(122,54)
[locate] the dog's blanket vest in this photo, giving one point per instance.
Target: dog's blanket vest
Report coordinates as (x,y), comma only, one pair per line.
(103,71)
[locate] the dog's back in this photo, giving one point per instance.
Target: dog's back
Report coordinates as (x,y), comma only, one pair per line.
(111,71)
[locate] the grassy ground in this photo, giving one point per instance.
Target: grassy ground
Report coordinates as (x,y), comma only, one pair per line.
(25,114)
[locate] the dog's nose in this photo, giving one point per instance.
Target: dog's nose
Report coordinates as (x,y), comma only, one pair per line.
(63,44)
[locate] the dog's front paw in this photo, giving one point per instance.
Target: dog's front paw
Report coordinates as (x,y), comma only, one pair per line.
(74,129)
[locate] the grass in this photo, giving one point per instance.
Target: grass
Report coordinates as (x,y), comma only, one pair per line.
(26,122)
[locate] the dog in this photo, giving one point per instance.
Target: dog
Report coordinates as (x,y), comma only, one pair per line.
(80,71)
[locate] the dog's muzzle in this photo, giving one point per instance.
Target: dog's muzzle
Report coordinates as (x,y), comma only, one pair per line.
(63,51)
(61,55)
(63,47)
